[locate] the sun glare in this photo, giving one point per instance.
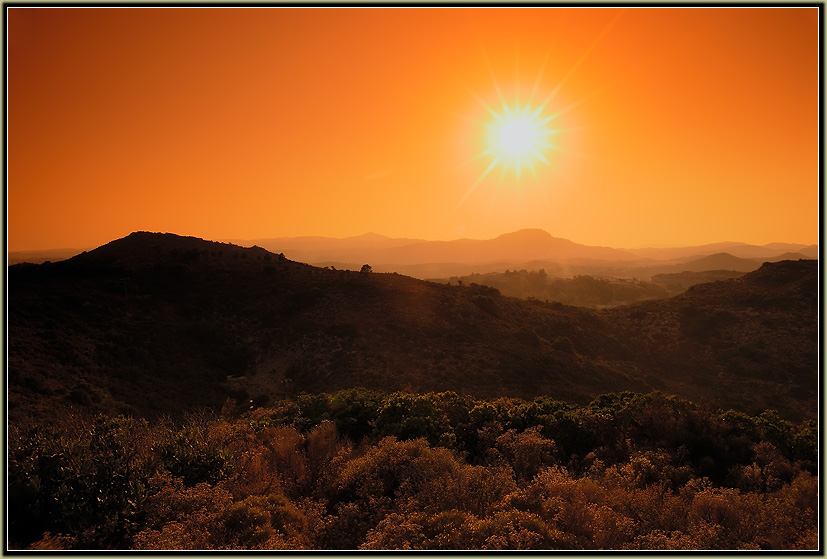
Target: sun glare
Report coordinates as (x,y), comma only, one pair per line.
(518,135)
(517,138)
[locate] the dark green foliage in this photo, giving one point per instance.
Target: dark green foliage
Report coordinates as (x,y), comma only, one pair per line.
(413,416)
(195,459)
(355,411)
(352,411)
(79,476)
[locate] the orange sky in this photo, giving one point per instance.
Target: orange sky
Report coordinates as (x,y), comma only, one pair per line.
(681,126)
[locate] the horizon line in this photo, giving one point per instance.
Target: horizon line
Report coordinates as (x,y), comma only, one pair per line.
(252,241)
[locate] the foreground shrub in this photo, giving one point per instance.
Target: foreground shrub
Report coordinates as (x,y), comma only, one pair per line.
(83,480)
(627,472)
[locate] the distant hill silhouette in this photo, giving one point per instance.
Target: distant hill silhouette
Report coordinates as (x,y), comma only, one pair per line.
(741,250)
(792,256)
(314,249)
(681,281)
(530,249)
(40,256)
(157,323)
(719,261)
(523,245)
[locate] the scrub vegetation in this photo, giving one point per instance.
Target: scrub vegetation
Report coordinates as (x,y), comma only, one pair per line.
(357,469)
(167,392)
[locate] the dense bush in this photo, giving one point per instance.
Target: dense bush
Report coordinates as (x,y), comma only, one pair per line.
(359,469)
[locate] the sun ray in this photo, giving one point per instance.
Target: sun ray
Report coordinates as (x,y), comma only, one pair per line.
(517,73)
(537,81)
(578,154)
(580,101)
(580,60)
(480,179)
(467,118)
(531,168)
(539,156)
(496,191)
(519,132)
(497,87)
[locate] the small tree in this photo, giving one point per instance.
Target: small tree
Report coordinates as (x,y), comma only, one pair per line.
(366,269)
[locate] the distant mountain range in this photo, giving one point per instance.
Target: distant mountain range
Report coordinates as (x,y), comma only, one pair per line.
(40,256)
(527,248)
(421,258)
(158,323)
(740,250)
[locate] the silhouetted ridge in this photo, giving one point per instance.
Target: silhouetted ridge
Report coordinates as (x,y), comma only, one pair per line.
(146,249)
(784,282)
(757,334)
(721,261)
(785,273)
(157,322)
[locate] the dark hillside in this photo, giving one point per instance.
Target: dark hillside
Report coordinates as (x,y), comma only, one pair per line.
(681,281)
(159,323)
(754,339)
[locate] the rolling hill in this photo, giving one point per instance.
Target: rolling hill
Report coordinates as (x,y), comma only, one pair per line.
(741,250)
(381,251)
(531,249)
(40,256)
(158,323)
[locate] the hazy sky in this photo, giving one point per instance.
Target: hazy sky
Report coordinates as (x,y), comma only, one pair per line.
(670,126)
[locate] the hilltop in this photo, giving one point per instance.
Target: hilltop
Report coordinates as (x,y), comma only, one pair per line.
(753,338)
(529,249)
(157,323)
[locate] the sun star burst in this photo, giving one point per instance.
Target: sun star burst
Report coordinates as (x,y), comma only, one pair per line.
(518,135)
(517,138)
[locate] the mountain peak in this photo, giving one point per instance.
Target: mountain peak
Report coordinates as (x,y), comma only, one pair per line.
(145,248)
(370,236)
(527,235)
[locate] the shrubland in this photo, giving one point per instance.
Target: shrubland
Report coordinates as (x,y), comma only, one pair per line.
(117,356)
(359,469)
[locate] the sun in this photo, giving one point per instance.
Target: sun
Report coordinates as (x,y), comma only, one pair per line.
(515,137)
(518,137)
